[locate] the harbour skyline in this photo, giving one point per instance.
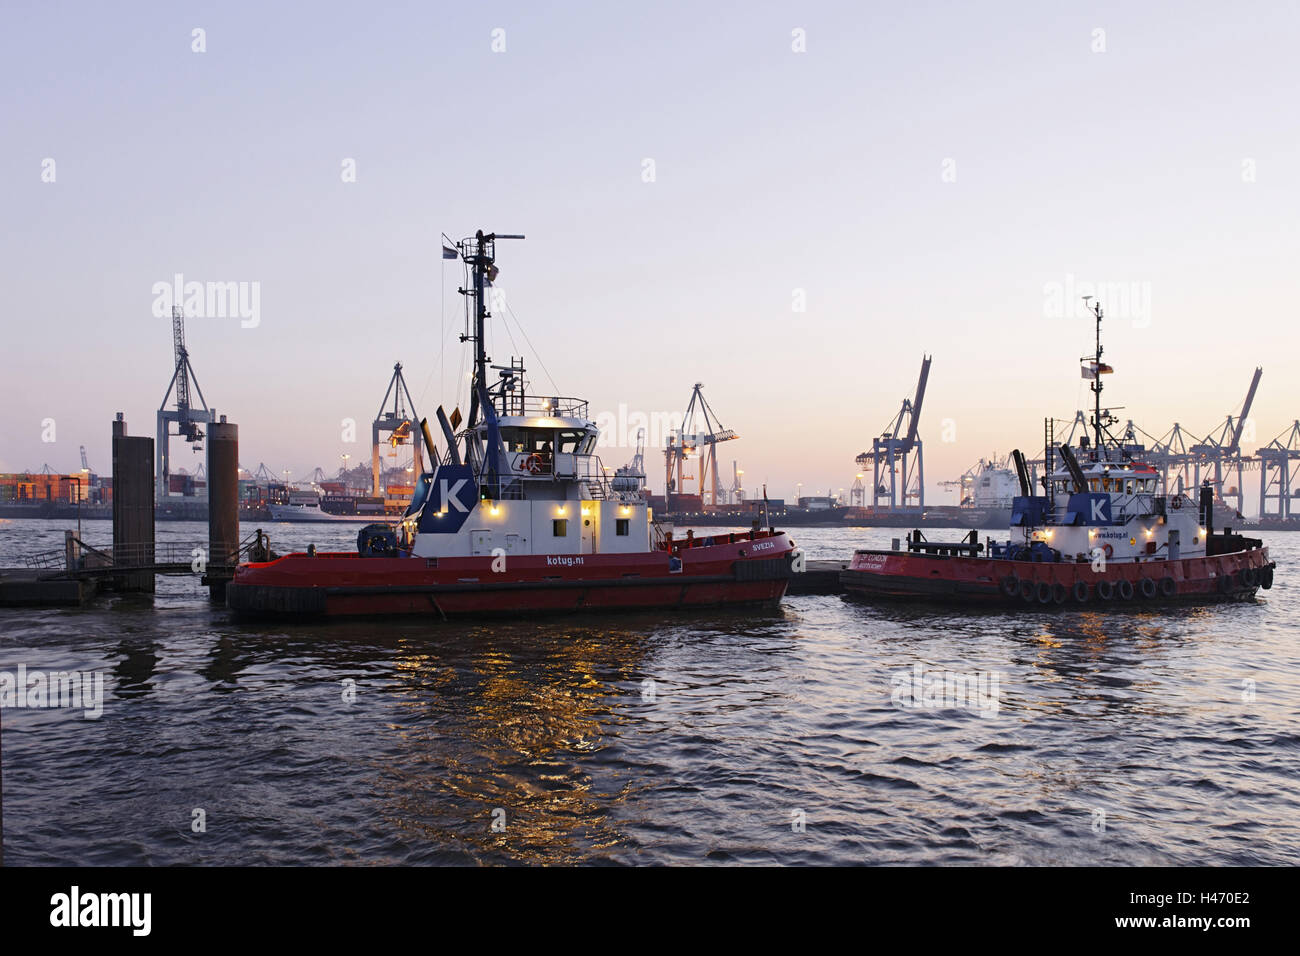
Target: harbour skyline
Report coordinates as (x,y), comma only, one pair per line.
(780,205)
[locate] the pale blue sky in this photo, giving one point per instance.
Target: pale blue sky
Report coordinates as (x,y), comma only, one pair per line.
(775,171)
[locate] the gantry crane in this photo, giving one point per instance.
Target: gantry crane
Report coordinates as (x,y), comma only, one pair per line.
(1280,470)
(1221,452)
(858,492)
(687,443)
(736,493)
(896,458)
(401,426)
(187,416)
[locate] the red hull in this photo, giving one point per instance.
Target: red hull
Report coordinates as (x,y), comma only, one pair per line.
(739,571)
(902,574)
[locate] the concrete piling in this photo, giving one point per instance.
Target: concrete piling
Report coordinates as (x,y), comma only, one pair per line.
(223,505)
(133,506)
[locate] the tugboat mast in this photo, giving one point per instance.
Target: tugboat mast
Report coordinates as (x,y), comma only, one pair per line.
(1096,383)
(479,254)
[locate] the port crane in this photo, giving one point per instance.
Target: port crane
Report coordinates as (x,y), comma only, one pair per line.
(401,427)
(896,456)
(1221,451)
(1280,469)
(858,492)
(188,415)
(686,443)
(736,493)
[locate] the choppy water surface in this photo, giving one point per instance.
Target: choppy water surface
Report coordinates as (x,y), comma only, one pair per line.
(1128,738)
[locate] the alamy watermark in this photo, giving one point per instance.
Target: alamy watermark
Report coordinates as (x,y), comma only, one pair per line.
(624,427)
(1072,298)
(919,689)
(47,689)
(210,300)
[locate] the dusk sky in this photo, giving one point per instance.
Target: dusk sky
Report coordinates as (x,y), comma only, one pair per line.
(927,178)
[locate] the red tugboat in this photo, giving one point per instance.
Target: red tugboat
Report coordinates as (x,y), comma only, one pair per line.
(1102,535)
(518,517)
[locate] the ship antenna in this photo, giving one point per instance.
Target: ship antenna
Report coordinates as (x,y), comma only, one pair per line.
(1096,379)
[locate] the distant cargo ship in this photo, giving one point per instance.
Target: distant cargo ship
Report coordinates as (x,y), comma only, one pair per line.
(309,506)
(990,493)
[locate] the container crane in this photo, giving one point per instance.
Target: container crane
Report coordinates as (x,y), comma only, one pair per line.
(1280,472)
(1221,452)
(402,427)
(686,442)
(187,415)
(858,492)
(896,457)
(736,493)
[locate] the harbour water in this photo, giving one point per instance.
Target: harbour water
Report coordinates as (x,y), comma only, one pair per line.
(814,734)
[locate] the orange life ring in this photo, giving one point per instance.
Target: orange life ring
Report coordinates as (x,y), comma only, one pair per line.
(1106,549)
(532,464)
(1178,502)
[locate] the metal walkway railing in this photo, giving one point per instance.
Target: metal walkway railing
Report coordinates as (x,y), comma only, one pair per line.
(162,557)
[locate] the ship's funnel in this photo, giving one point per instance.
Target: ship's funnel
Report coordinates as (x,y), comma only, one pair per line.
(1072,466)
(1022,471)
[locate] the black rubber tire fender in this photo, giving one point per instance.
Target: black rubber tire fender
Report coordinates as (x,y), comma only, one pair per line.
(1126,589)
(1105,590)
(1147,588)
(1168,587)
(1060,593)
(1010,585)
(1043,592)
(1080,592)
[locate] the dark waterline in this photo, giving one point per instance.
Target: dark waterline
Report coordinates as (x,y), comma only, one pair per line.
(1128,738)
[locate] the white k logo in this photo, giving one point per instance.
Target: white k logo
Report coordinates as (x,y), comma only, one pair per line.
(1097,516)
(449,499)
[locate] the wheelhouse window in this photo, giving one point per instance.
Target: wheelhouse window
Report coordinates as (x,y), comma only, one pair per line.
(622,526)
(530,440)
(567,441)
(513,439)
(560,527)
